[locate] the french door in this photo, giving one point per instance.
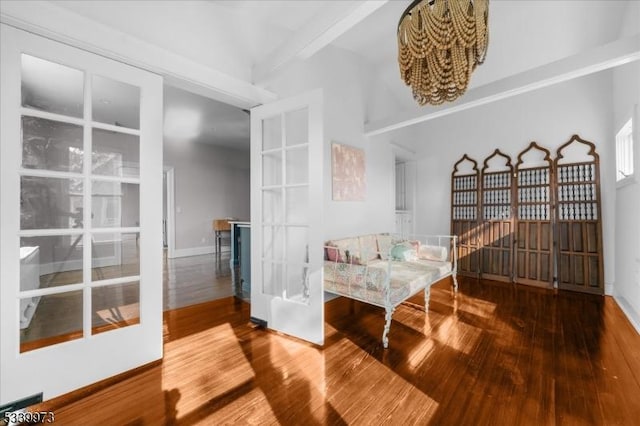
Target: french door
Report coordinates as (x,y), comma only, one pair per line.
(81,194)
(286,216)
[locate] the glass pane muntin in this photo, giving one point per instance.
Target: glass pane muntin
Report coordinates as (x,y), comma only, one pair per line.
(72,184)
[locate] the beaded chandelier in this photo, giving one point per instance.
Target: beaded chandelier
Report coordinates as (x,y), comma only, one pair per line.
(440,42)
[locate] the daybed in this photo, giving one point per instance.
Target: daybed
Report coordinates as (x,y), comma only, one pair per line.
(385,270)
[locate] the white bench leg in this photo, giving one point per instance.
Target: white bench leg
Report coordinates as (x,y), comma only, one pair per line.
(387,326)
(427,295)
(455,283)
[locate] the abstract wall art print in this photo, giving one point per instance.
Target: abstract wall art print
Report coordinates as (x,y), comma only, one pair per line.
(348,173)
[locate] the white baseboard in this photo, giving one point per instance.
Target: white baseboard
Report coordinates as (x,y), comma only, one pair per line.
(75,265)
(632,315)
(608,289)
(194,251)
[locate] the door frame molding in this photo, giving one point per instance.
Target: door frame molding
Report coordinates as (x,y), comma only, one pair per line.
(170,202)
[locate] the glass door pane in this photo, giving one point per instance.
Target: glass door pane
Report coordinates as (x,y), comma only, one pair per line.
(51,145)
(287,204)
(115,103)
(54,199)
(59,320)
(65,96)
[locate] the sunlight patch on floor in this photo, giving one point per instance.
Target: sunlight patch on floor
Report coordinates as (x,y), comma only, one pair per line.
(478,307)
(457,335)
(420,353)
(118,314)
(374,395)
(227,367)
(250,408)
(306,360)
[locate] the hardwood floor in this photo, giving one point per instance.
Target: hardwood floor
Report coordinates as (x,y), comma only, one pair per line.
(186,281)
(494,354)
(196,279)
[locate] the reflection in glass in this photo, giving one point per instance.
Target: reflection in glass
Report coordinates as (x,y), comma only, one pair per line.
(114,256)
(115,154)
(297,283)
(56,318)
(272,206)
(272,278)
(272,169)
(115,204)
(297,165)
(51,145)
(51,87)
(272,239)
(297,127)
(115,306)
(271,133)
(297,205)
(50,261)
(297,259)
(297,246)
(50,203)
(115,102)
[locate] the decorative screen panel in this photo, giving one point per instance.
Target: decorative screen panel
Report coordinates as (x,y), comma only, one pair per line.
(534,227)
(465,180)
(497,217)
(577,184)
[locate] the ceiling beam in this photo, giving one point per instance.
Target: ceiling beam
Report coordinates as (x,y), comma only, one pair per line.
(47,19)
(603,57)
(324,28)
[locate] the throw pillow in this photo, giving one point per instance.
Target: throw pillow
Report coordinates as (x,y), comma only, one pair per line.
(368,248)
(333,253)
(403,252)
(436,253)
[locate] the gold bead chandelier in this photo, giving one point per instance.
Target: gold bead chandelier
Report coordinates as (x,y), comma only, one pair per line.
(440,42)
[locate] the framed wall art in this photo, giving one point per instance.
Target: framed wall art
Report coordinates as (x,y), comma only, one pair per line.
(348,173)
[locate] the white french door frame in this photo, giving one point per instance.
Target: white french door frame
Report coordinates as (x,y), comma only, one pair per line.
(61,368)
(295,318)
(170,203)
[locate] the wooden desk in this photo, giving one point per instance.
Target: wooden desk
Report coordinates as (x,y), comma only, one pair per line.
(221,227)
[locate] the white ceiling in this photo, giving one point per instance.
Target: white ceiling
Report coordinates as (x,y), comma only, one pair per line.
(234,37)
(192,117)
(523,35)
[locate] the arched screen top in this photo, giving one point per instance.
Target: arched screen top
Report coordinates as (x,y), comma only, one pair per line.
(465,166)
(576,150)
(534,156)
(497,162)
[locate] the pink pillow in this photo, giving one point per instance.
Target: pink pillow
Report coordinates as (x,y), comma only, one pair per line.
(333,253)
(415,244)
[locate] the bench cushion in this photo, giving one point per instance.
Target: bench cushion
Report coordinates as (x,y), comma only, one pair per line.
(367,282)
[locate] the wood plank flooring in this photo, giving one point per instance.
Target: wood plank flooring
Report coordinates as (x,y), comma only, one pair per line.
(186,281)
(494,354)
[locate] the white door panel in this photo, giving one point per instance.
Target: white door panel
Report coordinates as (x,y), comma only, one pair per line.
(81,195)
(286,216)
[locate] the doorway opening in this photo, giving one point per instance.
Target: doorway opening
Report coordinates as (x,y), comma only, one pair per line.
(206,181)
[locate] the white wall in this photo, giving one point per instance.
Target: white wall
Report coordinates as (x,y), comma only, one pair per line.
(211,182)
(548,116)
(626,99)
(344,77)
